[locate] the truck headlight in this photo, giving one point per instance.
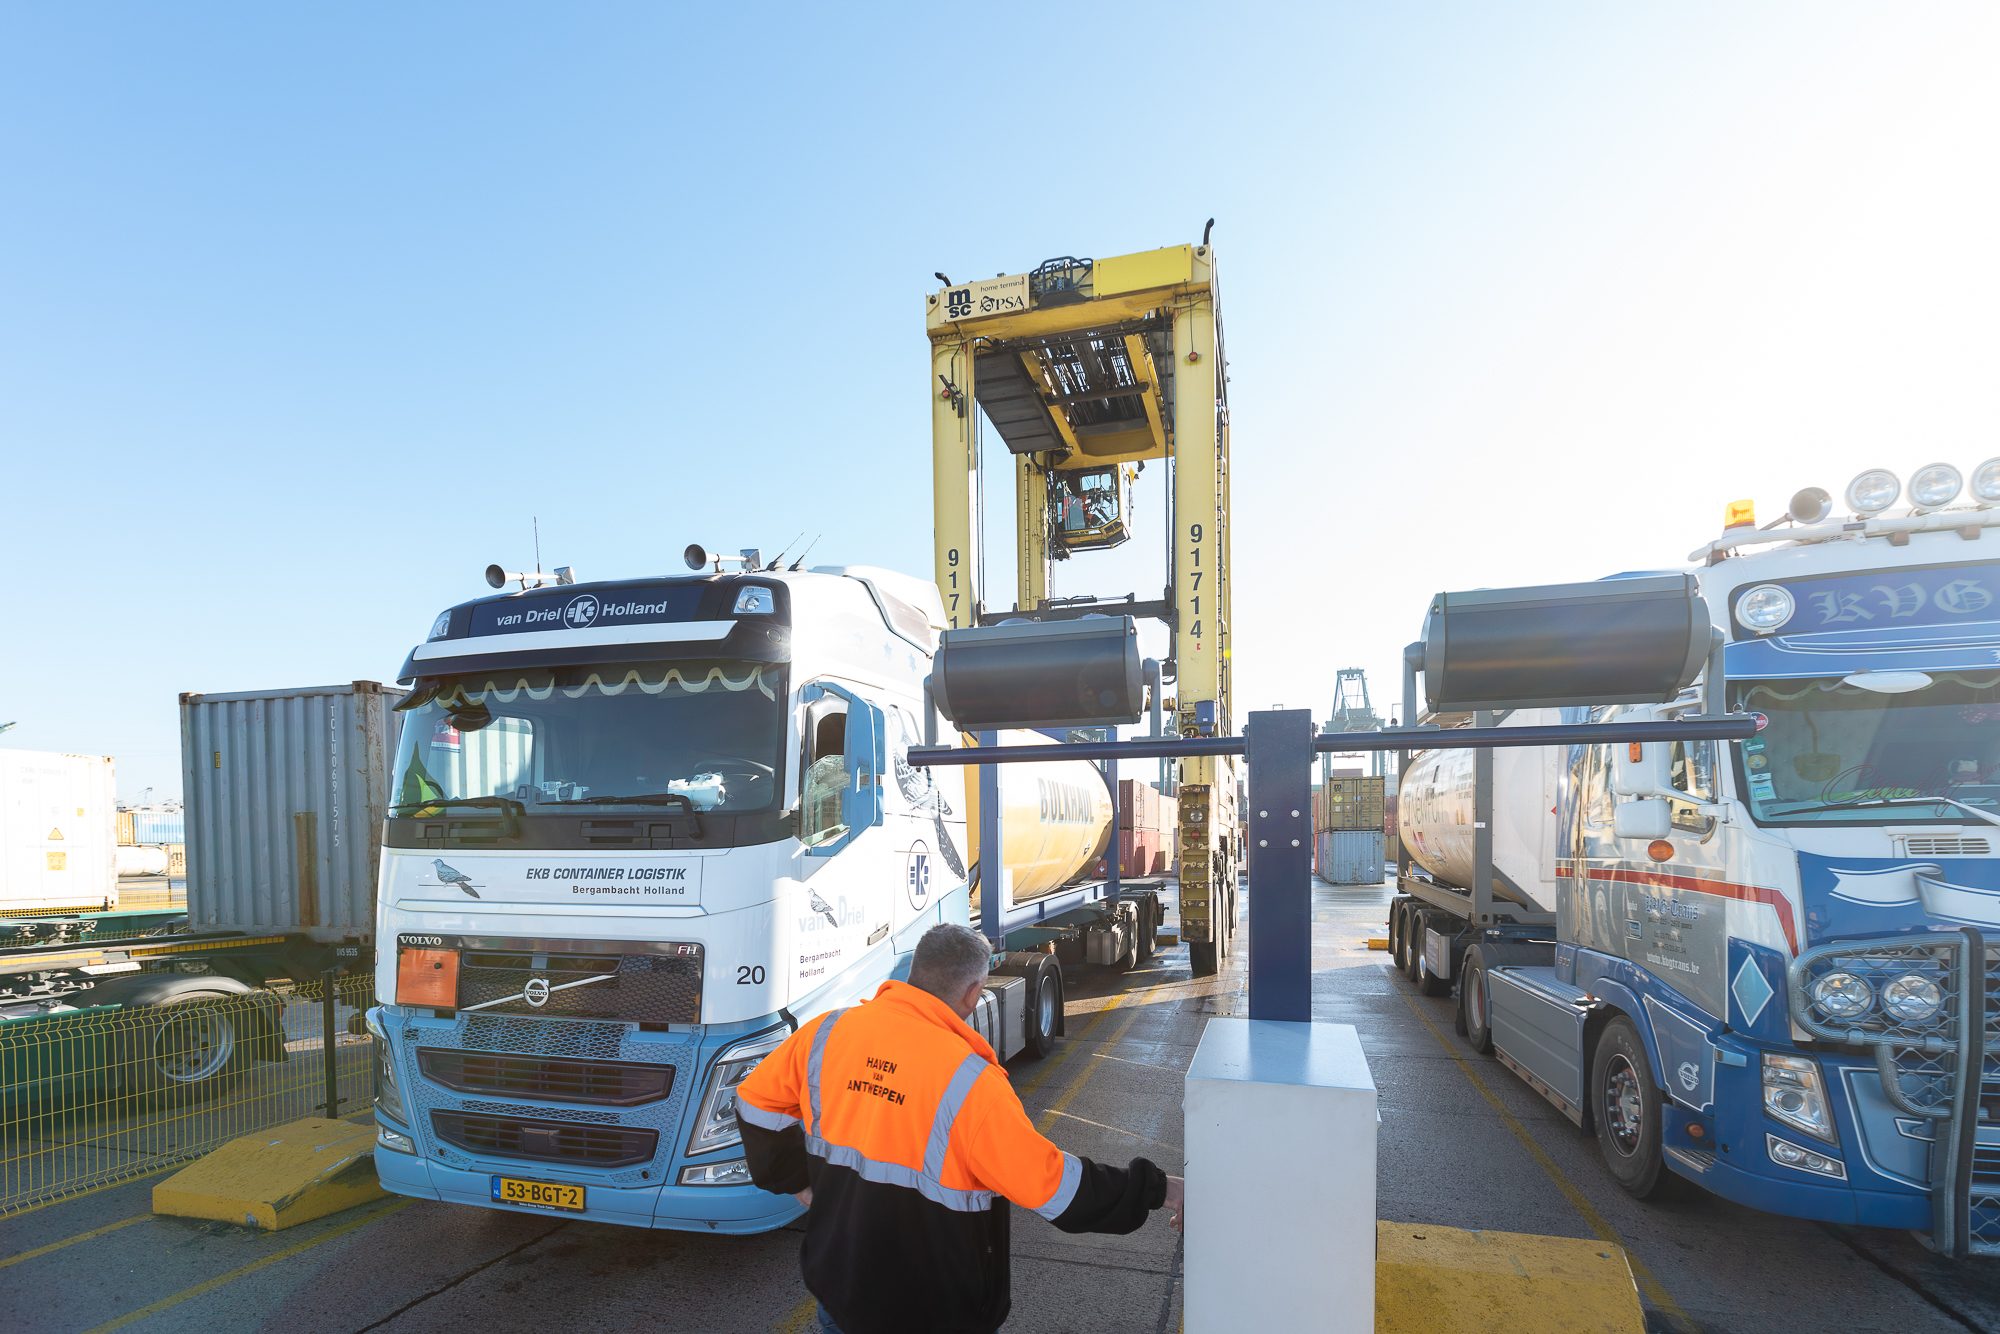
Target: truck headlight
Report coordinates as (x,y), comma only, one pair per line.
(1842,996)
(1912,998)
(388,1097)
(1793,1094)
(715,1124)
(1765,607)
(386,1138)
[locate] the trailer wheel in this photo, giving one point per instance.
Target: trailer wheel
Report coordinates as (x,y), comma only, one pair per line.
(1413,945)
(1475,1003)
(1627,1108)
(1045,1008)
(1399,935)
(190,1050)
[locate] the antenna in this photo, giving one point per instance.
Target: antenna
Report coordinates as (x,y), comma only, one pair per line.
(538,543)
(781,555)
(807,552)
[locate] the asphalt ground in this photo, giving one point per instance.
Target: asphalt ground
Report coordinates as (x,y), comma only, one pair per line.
(1463,1143)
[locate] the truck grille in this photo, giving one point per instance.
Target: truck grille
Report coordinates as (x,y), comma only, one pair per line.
(545,1141)
(610,1083)
(633,988)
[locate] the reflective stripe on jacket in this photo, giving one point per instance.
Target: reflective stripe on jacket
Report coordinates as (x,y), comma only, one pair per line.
(903,1122)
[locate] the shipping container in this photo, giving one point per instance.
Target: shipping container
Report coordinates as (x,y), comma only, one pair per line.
(286,791)
(1350,804)
(1350,856)
(56,833)
(1140,853)
(152,829)
(1392,846)
(1139,805)
(125,839)
(176,860)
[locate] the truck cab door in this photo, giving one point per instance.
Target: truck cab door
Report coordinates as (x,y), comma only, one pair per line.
(831,817)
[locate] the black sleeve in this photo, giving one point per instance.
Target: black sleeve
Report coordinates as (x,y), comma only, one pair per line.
(777,1158)
(1114,1199)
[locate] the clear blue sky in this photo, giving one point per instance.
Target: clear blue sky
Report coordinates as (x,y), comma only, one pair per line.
(305,311)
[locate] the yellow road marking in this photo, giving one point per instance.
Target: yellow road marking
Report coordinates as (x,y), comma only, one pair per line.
(801,1319)
(1597,1221)
(71,1241)
(212,1284)
(1055,1109)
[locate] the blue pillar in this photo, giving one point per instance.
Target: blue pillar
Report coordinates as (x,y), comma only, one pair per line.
(992,876)
(1279,750)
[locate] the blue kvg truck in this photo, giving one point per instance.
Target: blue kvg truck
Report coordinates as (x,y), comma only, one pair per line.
(1763,966)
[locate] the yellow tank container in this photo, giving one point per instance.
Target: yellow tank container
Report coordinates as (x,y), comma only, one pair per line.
(1055,820)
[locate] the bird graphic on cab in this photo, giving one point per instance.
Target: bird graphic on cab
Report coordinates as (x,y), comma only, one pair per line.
(448,876)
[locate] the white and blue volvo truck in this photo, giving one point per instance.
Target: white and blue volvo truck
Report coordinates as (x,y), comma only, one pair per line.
(1761,965)
(642,829)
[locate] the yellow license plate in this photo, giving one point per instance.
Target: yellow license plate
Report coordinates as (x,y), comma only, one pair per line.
(540,1194)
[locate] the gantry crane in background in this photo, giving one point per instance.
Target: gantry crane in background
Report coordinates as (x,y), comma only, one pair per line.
(1353,713)
(1088,370)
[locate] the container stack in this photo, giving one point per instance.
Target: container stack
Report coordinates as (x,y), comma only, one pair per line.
(1145,826)
(1348,842)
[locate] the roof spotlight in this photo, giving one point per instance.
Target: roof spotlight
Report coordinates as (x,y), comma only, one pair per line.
(1986,481)
(1935,485)
(1813,504)
(1873,491)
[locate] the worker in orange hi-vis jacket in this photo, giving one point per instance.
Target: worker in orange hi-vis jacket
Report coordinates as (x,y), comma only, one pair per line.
(894,1123)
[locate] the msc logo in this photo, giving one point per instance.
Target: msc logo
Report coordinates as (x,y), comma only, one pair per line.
(581,611)
(536,993)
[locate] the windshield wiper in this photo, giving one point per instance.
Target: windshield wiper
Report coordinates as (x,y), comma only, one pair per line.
(514,810)
(643,799)
(1866,802)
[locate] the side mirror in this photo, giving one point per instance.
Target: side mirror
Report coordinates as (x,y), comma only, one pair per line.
(1643,769)
(1648,819)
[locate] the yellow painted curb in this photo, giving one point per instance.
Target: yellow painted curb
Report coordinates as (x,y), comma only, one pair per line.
(1378,942)
(1440,1280)
(1167,938)
(271,1180)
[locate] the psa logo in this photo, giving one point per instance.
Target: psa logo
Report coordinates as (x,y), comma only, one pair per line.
(580,612)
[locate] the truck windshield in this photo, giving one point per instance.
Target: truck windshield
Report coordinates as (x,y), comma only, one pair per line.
(709,731)
(1828,742)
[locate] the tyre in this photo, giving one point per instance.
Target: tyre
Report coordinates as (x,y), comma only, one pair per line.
(1201,957)
(1475,1003)
(1429,983)
(1399,936)
(1414,924)
(1626,1106)
(190,1050)
(1045,1007)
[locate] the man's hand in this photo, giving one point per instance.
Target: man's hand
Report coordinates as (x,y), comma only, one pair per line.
(805,1196)
(1176,1202)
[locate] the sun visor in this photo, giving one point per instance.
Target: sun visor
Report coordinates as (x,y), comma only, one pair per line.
(1956,648)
